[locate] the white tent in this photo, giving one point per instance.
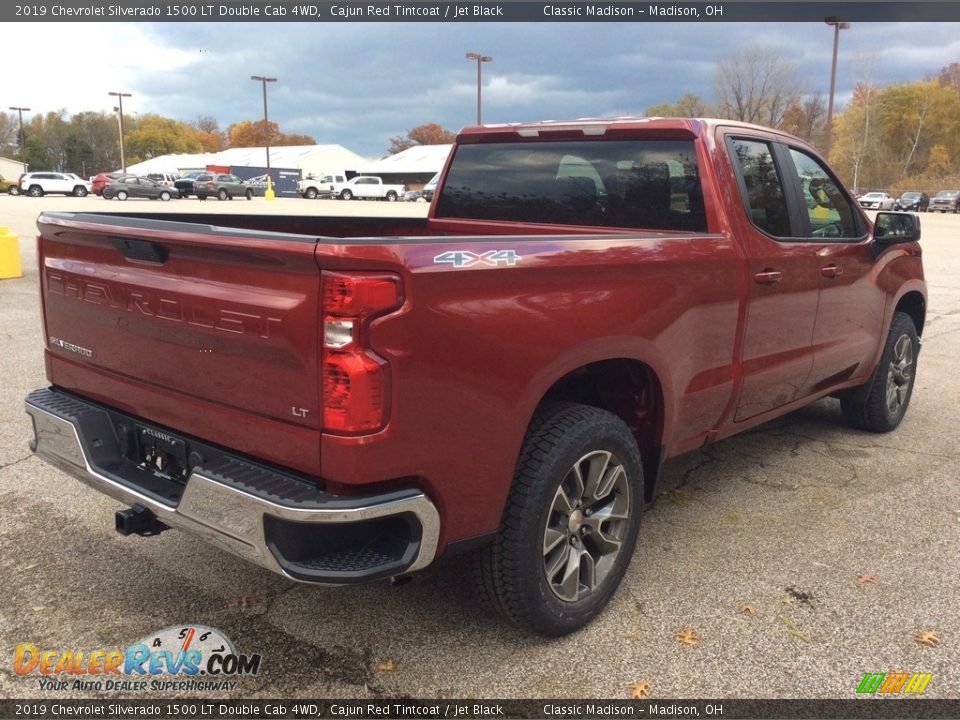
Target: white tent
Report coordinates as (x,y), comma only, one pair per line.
(420,159)
(310,159)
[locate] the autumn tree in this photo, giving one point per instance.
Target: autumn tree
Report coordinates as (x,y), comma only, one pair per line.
(757,85)
(248,133)
(807,118)
(429,134)
(152,136)
(690,105)
(209,136)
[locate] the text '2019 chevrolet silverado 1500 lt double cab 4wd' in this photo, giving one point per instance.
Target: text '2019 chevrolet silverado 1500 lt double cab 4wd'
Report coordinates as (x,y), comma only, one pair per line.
(347,399)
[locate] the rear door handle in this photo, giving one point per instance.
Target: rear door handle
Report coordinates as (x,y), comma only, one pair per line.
(768,277)
(831,271)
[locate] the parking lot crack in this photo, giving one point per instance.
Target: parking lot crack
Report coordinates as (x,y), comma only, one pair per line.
(4,466)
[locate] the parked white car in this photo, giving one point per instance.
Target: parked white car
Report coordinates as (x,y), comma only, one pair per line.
(877,201)
(37,184)
(367,186)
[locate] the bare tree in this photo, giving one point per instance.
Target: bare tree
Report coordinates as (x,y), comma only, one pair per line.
(9,127)
(757,85)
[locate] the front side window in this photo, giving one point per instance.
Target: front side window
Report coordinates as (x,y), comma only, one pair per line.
(648,184)
(766,200)
(830,213)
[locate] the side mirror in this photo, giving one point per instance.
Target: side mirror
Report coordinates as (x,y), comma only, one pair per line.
(892,228)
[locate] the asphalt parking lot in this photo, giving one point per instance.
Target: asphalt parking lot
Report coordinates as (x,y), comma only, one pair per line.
(802,554)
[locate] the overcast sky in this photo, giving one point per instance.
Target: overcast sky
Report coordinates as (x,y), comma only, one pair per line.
(359,84)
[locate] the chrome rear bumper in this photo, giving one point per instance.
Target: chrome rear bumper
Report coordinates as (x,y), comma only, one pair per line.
(272,519)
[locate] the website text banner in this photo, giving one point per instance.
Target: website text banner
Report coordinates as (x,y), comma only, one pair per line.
(192,708)
(508,11)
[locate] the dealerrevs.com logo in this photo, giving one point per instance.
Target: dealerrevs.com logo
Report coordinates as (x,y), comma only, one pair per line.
(177,658)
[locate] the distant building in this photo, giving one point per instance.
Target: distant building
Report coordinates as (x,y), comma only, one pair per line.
(10,169)
(411,167)
(309,159)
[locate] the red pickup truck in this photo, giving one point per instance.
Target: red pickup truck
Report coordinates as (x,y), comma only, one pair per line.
(340,400)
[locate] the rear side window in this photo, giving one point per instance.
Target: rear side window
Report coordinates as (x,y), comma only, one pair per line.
(765,198)
(649,184)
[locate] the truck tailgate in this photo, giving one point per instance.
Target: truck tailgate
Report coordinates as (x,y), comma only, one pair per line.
(225,320)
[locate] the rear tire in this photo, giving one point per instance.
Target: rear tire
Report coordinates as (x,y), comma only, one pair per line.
(122,195)
(222,194)
(346,195)
(880,404)
(35,191)
(570,524)
(391,196)
(13,190)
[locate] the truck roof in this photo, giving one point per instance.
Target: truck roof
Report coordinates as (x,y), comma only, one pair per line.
(600,126)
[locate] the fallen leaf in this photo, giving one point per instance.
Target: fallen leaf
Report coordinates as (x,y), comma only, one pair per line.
(388,665)
(787,600)
(733,517)
(639,689)
(688,636)
(866,579)
(930,638)
(632,636)
(747,609)
(245,601)
(792,630)
(38,608)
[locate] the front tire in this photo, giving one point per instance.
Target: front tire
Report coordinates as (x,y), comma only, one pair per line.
(570,525)
(13,190)
(346,195)
(164,196)
(311,194)
(249,194)
(80,191)
(880,404)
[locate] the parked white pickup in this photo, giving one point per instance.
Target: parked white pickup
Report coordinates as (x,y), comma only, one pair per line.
(367,186)
(322,186)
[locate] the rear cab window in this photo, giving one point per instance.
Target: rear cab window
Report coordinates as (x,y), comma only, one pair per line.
(643,184)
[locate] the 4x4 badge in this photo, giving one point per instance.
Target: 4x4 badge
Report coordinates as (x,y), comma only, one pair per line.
(466,259)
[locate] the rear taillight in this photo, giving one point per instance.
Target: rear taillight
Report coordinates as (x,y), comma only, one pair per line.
(355,379)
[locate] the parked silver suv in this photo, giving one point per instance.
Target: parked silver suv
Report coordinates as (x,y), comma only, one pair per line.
(37,184)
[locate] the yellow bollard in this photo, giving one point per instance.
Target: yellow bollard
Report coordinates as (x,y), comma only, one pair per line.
(9,255)
(269,193)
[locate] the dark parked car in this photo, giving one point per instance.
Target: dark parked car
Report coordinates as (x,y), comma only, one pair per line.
(946,201)
(186,183)
(915,201)
(132,186)
(223,187)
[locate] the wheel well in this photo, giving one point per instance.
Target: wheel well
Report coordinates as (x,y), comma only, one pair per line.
(915,306)
(631,391)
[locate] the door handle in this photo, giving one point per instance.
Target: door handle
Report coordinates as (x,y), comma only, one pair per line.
(768,277)
(831,271)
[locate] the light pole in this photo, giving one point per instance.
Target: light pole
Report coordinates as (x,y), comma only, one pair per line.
(480,59)
(20,111)
(838,25)
(120,96)
(269,194)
